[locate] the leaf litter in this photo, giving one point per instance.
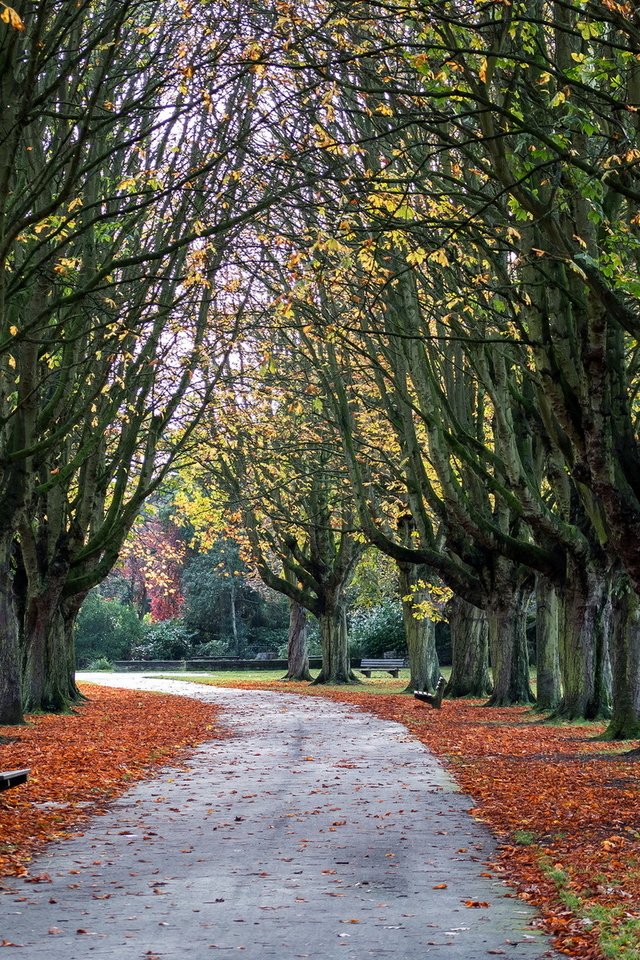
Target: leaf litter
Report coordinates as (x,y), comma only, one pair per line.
(80,761)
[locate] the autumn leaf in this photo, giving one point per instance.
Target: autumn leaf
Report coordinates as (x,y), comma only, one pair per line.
(66,784)
(10,16)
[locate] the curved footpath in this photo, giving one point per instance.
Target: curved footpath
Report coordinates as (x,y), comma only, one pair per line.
(316,830)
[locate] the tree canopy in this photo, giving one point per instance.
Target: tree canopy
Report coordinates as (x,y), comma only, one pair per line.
(369,273)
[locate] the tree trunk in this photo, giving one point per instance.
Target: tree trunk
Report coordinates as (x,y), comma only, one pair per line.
(584,653)
(66,623)
(48,682)
(39,612)
(10,697)
(39,654)
(625,655)
(508,647)
(297,654)
(470,675)
(549,691)
(420,632)
(336,665)
(234,618)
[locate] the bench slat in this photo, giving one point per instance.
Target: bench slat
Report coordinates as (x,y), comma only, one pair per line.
(382,663)
(12,778)
(391,666)
(433,699)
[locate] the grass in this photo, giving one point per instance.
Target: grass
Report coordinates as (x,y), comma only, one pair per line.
(256,678)
(378,683)
(618,932)
(525,838)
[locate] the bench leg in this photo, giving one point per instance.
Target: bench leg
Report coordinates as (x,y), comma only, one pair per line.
(367,673)
(393,673)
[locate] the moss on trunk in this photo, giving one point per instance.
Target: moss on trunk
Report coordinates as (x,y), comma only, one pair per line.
(508,648)
(470,675)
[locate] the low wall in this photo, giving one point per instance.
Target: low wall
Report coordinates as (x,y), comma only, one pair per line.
(188,666)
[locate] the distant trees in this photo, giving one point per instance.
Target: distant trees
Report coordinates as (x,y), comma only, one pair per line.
(274,467)
(156,555)
(105,629)
(225,608)
(221,610)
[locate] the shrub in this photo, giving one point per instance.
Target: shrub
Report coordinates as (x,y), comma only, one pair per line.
(105,629)
(167,640)
(377,629)
(102,663)
(214,648)
(270,641)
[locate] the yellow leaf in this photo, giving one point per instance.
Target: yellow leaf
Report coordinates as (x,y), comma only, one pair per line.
(10,16)
(439,256)
(482,72)
(417,256)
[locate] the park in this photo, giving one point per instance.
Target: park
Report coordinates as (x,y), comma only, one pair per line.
(320,478)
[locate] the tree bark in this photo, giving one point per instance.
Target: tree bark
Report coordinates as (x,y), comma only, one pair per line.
(36,655)
(336,665)
(234,618)
(470,675)
(420,632)
(60,690)
(67,618)
(10,697)
(507,617)
(584,649)
(625,656)
(549,688)
(297,653)
(40,648)
(48,682)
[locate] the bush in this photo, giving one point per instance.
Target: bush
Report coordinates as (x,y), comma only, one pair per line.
(167,640)
(100,664)
(214,648)
(105,629)
(377,629)
(270,641)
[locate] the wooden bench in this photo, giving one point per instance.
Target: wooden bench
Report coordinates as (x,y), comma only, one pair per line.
(433,699)
(386,666)
(13,778)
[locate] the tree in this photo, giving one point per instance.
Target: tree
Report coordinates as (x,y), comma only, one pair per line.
(105,629)
(116,171)
(443,177)
(273,466)
(157,551)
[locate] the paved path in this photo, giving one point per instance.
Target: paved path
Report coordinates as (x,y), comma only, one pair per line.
(315,831)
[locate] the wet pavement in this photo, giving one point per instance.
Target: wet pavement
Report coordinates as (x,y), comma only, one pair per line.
(315,830)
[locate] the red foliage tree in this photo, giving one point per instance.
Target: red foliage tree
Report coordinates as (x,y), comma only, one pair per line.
(156,553)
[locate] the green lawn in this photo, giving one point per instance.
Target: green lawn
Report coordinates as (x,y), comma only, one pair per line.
(378,683)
